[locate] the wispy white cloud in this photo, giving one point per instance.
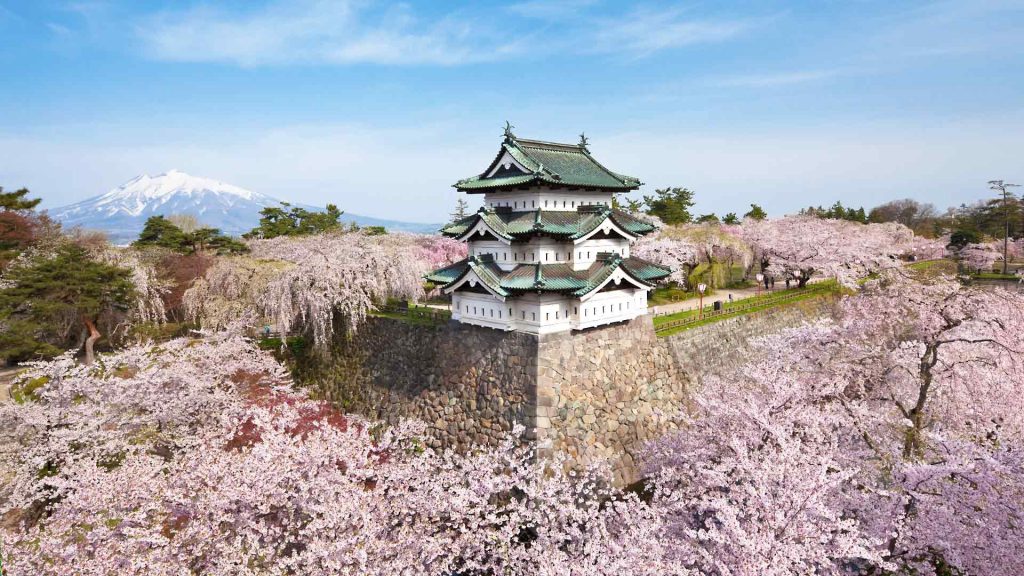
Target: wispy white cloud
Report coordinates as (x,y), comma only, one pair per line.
(354,32)
(644,32)
(946,28)
(317,32)
(546,9)
(767,80)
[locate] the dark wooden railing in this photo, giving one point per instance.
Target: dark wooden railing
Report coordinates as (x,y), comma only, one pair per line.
(742,306)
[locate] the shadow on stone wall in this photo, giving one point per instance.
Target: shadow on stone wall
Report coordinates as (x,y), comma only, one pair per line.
(597,394)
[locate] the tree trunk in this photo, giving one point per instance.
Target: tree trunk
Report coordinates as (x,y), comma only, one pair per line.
(94,335)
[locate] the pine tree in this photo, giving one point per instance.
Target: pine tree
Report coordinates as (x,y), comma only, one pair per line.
(16,200)
(756,213)
(461,210)
(47,303)
(671,205)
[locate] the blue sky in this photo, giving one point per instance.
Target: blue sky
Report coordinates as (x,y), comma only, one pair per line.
(381,107)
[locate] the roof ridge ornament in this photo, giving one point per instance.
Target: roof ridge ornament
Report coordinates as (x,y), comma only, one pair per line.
(584,141)
(508,131)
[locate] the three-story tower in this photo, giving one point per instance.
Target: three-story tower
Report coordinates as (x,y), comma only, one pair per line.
(547,251)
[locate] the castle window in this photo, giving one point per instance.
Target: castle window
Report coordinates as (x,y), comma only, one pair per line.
(546,256)
(575,311)
(556,315)
(547,316)
(602,309)
(563,203)
(524,314)
(509,312)
(474,309)
(533,315)
(533,204)
(573,203)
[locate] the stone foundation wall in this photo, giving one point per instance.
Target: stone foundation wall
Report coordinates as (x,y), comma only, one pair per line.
(470,385)
(721,346)
(596,394)
(604,393)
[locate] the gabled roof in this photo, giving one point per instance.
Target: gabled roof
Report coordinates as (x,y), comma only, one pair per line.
(568,165)
(482,266)
(560,278)
(563,224)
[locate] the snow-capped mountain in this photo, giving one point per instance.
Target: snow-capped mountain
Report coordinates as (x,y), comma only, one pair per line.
(123,211)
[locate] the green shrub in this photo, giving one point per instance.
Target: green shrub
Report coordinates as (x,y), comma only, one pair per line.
(26,390)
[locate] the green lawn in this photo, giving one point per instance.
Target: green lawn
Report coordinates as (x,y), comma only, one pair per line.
(669,294)
(745,306)
(994,276)
(417,315)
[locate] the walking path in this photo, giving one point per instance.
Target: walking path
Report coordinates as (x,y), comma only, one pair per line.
(694,303)
(6,375)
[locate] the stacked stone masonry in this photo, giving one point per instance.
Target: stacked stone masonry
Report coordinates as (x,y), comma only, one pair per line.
(597,394)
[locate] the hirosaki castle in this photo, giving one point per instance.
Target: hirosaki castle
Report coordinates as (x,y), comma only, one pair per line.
(547,252)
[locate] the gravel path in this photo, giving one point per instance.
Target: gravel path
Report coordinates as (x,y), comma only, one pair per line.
(6,375)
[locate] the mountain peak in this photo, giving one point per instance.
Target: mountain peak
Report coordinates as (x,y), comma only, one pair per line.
(145,188)
(123,211)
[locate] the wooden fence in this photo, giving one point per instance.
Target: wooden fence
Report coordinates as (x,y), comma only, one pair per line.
(740,307)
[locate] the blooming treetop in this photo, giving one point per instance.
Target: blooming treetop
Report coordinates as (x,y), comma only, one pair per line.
(980,257)
(677,254)
(198,456)
(896,443)
(799,247)
(307,282)
(922,248)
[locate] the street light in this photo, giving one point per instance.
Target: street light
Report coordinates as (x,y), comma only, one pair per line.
(759,278)
(701,288)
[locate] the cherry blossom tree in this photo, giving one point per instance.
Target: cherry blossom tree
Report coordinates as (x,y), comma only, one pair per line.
(685,247)
(979,257)
(315,283)
(887,439)
(922,248)
(800,247)
(677,254)
(198,456)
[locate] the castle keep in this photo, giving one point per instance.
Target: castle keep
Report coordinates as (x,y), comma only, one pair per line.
(547,251)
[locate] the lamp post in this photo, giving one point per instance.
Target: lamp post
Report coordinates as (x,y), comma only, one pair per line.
(759,278)
(701,288)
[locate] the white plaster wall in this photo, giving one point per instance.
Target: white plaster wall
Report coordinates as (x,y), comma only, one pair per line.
(548,313)
(585,253)
(554,199)
(481,310)
(613,306)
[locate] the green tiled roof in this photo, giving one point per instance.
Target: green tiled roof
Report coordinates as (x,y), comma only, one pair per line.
(565,224)
(559,278)
(551,163)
